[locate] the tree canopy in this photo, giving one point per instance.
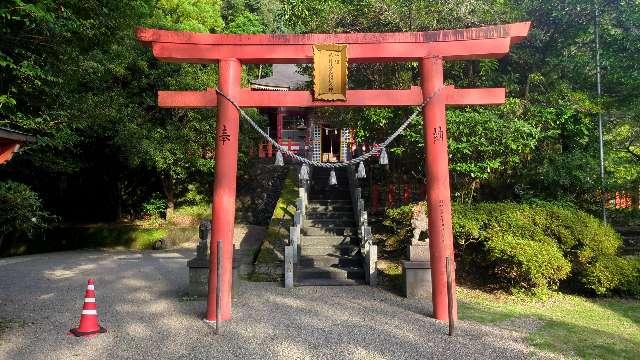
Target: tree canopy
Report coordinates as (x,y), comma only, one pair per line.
(73,74)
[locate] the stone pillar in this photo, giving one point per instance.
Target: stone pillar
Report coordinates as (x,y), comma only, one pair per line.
(288,266)
(199,265)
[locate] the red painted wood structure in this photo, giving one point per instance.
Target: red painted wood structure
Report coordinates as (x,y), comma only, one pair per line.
(430,49)
(10,142)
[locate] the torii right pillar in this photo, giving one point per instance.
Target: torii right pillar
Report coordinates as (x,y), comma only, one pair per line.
(436,161)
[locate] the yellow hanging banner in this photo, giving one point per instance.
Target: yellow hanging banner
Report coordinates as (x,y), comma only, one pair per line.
(329,72)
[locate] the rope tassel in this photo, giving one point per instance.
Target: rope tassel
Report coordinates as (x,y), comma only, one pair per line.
(384,158)
(361,174)
(279,160)
(332,178)
(304,172)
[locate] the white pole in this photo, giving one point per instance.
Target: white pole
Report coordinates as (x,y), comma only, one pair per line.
(600,131)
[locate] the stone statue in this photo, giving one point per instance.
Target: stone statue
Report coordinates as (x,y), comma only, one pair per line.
(202,249)
(419,250)
(419,222)
(203,244)
(199,265)
(417,270)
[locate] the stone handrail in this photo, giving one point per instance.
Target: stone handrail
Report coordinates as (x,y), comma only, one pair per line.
(292,250)
(368,250)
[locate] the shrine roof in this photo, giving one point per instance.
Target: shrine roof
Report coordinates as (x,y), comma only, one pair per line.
(15,136)
(284,77)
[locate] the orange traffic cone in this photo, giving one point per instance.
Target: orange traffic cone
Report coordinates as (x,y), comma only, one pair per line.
(89,319)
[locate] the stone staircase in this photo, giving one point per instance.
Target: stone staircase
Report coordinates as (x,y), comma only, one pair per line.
(631,239)
(329,244)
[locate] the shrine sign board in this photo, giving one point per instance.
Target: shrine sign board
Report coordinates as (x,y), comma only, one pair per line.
(329,72)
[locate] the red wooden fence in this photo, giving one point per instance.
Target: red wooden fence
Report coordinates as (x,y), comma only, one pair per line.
(392,195)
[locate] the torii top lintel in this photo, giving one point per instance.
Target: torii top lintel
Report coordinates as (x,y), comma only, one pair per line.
(460,44)
(474,43)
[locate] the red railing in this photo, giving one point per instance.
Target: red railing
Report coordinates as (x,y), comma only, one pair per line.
(623,200)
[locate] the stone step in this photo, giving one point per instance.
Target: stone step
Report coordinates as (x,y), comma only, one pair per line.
(329,250)
(342,184)
(326,209)
(330,202)
(330,223)
(339,175)
(330,195)
(322,187)
(629,251)
(329,282)
(330,261)
(321,215)
(323,205)
(327,171)
(628,230)
(327,272)
(327,230)
(328,240)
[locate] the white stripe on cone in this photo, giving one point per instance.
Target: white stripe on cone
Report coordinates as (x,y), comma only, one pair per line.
(89,312)
(91,300)
(89,287)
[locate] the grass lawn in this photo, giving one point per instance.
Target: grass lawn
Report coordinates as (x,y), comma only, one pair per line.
(574,326)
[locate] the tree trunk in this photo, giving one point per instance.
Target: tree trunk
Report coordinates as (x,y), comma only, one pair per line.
(167,187)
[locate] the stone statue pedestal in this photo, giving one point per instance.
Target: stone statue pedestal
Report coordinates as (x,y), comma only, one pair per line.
(199,266)
(199,277)
(416,272)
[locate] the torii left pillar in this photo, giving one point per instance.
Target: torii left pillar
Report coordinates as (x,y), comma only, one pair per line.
(224,188)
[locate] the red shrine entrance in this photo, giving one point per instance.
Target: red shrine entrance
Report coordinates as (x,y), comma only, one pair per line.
(430,49)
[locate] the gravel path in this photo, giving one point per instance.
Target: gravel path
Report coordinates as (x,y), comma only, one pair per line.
(141,302)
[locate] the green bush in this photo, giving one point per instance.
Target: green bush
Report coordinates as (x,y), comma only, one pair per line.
(193,196)
(526,263)
(509,245)
(607,273)
(585,241)
(398,221)
(631,285)
(21,212)
(535,246)
(156,206)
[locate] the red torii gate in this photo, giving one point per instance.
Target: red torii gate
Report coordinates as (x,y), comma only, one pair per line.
(429,48)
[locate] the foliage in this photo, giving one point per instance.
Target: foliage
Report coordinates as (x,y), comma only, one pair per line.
(156,206)
(631,285)
(74,75)
(522,262)
(535,246)
(399,233)
(21,212)
(193,196)
(610,272)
